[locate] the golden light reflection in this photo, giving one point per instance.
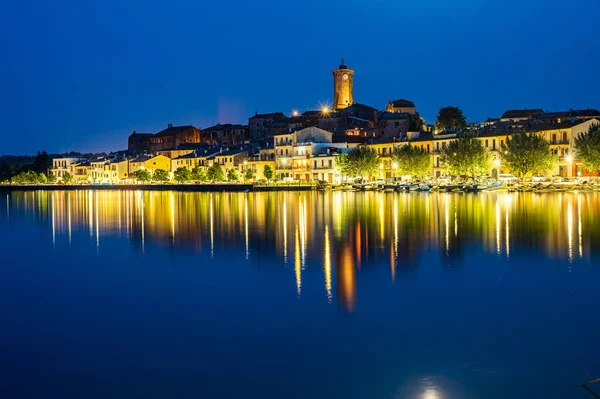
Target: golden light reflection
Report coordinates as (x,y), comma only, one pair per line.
(447,219)
(297,262)
(285,229)
(570,229)
(172,214)
(303,229)
(212,228)
(97,225)
(246,226)
(53,224)
(358,243)
(579,226)
(327,264)
(498,229)
(346,225)
(393,271)
(381,220)
(346,279)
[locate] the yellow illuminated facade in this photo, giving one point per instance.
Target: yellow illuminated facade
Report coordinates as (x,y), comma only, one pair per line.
(343,90)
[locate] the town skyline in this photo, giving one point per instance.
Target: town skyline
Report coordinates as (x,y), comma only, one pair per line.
(74,85)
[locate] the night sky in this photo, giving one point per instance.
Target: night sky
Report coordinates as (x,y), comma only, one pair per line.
(82,75)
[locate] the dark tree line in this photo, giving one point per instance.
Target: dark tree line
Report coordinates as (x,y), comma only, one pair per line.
(26,172)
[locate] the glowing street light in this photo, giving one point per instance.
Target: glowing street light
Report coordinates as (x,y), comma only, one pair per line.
(496,162)
(325,109)
(381,166)
(295,113)
(395,165)
(569,158)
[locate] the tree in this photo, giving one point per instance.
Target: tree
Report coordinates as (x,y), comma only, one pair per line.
(182,174)
(51,178)
(160,175)
(232,175)
(67,178)
(249,174)
(450,118)
(527,153)
(5,172)
(41,178)
(198,173)
(26,178)
(268,172)
(411,161)
(42,162)
(587,146)
(362,162)
(342,165)
(466,156)
(215,173)
(141,175)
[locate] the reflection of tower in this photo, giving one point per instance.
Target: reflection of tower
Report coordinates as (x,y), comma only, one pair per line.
(342,87)
(346,278)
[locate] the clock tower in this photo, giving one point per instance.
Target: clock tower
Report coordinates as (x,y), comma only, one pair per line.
(342,87)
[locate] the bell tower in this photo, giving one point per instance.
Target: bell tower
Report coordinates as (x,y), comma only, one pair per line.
(342,87)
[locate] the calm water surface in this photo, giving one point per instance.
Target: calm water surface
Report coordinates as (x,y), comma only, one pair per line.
(298,295)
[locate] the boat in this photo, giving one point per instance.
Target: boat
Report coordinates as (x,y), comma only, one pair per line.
(425,187)
(493,186)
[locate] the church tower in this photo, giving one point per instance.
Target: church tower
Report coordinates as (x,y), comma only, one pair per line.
(342,87)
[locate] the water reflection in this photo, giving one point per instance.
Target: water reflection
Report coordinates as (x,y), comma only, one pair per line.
(342,233)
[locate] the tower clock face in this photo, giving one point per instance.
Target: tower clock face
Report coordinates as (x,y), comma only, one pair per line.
(345,76)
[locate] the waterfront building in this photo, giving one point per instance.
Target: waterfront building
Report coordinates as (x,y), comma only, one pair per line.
(264,126)
(257,166)
(138,142)
(109,171)
(296,153)
(116,170)
(80,172)
(149,163)
(186,148)
(229,158)
(173,136)
(225,134)
(96,170)
(190,160)
(62,165)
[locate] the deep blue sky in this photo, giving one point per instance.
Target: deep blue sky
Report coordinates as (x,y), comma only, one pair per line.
(81,75)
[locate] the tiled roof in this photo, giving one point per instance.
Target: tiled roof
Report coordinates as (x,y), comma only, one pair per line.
(226,126)
(274,115)
(173,130)
(402,103)
(521,113)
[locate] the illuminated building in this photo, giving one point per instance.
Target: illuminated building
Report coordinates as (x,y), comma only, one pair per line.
(343,95)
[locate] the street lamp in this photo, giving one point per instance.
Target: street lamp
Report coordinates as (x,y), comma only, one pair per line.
(325,110)
(295,113)
(497,165)
(569,158)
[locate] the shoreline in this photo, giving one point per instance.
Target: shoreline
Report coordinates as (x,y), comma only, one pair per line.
(245,188)
(217,188)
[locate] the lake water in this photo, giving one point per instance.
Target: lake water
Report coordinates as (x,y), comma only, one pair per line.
(108,294)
